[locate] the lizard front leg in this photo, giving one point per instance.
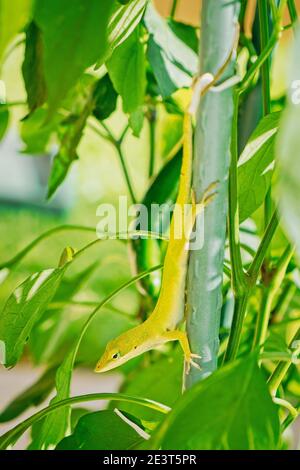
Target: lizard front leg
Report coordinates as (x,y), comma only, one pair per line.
(181,336)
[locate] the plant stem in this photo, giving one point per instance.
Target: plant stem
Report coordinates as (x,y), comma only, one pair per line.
(283,303)
(10,437)
(240,307)
(265,74)
(211,163)
(152,126)
(117,143)
(174,8)
(238,276)
(269,295)
(293,12)
(262,250)
(126,174)
(241,301)
(282,368)
(265,69)
(19,256)
(242,294)
(289,419)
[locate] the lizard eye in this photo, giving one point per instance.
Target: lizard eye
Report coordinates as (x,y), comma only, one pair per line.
(116,355)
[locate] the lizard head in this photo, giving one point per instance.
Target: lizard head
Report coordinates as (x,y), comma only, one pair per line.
(118,351)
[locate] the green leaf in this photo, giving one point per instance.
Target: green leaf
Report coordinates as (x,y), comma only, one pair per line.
(136,121)
(32,68)
(56,423)
(72,132)
(4,120)
(256,165)
(49,342)
(102,430)
(105,98)
(123,22)
(35,133)
(75,37)
(167,372)
(173,62)
(127,70)
(14,14)
(231,410)
(92,346)
(23,309)
(32,396)
(170,127)
(288,157)
(185,33)
(59,170)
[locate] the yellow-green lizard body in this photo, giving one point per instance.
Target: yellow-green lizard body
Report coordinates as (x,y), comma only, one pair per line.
(161,326)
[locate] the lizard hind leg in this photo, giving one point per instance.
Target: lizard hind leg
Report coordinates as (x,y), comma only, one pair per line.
(181,336)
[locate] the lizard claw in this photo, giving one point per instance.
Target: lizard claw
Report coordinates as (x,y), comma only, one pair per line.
(189,362)
(196,356)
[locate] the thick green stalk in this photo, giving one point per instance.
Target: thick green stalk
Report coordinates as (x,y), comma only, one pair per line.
(211,163)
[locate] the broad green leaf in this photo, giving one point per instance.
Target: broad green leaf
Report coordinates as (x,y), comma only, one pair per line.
(126,68)
(56,423)
(75,37)
(102,430)
(288,156)
(105,98)
(14,14)
(23,309)
(4,120)
(173,62)
(256,165)
(124,21)
(49,342)
(161,380)
(230,410)
(32,68)
(32,396)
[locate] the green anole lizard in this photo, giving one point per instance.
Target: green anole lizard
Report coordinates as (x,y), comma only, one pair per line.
(162,325)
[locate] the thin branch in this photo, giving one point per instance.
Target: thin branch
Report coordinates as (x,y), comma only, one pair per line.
(174,8)
(117,143)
